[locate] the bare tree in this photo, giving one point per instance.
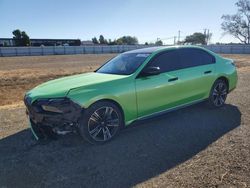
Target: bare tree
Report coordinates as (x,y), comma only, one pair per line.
(238,24)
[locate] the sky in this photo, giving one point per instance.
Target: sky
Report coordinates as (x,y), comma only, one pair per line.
(145,19)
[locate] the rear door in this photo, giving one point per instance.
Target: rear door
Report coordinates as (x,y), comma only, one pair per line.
(197,73)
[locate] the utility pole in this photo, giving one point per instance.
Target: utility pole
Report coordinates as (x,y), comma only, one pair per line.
(206,33)
(208,36)
(179,36)
(174,40)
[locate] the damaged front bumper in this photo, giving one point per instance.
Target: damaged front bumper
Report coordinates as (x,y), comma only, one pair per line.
(51,117)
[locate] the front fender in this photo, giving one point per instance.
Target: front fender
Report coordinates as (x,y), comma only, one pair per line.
(123,94)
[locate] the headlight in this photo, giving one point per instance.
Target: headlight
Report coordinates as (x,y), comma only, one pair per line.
(57,105)
(51,109)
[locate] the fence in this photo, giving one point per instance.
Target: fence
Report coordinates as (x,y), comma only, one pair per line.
(66,50)
(229,49)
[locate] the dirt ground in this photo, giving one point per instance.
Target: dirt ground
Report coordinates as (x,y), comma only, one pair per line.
(19,74)
(192,147)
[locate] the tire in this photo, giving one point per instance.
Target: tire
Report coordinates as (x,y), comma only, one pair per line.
(101,122)
(218,94)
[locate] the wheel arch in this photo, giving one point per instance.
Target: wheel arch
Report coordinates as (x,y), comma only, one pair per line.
(111,101)
(224,78)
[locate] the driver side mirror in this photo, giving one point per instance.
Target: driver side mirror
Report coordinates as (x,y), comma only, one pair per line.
(150,71)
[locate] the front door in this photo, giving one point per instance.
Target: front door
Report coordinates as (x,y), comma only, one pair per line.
(159,92)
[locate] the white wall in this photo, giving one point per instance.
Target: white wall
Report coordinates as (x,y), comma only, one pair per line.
(64,50)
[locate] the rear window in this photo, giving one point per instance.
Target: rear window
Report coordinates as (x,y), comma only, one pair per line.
(195,57)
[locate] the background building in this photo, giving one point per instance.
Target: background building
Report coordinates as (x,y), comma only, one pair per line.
(43,42)
(87,42)
(6,42)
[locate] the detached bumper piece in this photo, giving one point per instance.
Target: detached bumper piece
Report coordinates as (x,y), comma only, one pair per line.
(52,117)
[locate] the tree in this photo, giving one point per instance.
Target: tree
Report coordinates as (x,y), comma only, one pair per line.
(127,40)
(17,37)
(196,38)
(25,39)
(238,25)
(102,40)
(159,43)
(110,42)
(94,40)
(21,38)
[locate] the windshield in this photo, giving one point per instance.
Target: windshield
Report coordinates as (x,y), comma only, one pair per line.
(123,64)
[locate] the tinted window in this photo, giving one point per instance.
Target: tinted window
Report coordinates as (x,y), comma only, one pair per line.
(167,61)
(123,64)
(194,57)
(181,58)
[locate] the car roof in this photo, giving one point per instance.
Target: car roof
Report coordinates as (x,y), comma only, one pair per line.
(161,48)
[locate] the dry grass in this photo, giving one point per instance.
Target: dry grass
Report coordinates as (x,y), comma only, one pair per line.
(241,60)
(19,74)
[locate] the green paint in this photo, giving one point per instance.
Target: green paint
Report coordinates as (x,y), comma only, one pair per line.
(140,97)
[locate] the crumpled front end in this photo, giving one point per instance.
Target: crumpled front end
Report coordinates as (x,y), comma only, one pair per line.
(51,117)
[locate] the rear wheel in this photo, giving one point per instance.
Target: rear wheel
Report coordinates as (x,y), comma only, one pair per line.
(101,122)
(218,94)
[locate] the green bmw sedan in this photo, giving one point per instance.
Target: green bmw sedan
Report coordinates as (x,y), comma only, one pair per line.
(132,86)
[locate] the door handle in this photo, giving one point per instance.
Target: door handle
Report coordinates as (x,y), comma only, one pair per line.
(173,79)
(207,72)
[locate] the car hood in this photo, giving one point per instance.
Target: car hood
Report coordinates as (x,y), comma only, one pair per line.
(60,87)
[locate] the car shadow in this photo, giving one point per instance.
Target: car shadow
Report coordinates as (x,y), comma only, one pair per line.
(145,150)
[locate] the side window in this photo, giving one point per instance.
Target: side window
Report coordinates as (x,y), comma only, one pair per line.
(191,57)
(206,58)
(167,61)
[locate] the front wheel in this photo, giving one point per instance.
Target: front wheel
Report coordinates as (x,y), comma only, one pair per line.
(218,94)
(100,122)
